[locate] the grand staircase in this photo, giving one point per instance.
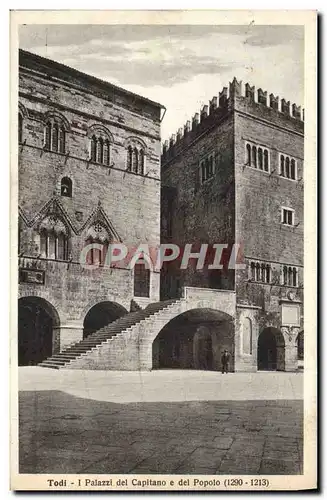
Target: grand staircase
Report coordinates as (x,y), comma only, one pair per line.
(101,349)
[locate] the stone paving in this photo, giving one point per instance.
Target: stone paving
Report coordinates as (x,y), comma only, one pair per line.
(62,433)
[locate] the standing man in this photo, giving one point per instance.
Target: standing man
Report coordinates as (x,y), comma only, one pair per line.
(225,361)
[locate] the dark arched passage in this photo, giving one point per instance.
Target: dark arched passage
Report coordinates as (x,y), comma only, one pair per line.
(271,350)
(194,340)
(37,319)
(100,315)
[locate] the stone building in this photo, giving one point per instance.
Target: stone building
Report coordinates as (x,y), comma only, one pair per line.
(234,174)
(90,172)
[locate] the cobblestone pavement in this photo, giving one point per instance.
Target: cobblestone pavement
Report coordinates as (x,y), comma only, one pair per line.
(63,433)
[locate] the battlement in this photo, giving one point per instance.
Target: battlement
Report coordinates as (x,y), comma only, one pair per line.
(236,96)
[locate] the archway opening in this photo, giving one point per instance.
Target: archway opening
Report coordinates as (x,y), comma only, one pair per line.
(271,350)
(37,319)
(100,315)
(196,340)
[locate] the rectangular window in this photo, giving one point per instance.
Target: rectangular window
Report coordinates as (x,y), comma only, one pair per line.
(287,216)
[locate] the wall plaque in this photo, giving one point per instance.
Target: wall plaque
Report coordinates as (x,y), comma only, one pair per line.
(35,276)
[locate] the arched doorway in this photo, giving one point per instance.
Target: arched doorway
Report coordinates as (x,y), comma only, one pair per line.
(195,339)
(37,319)
(100,315)
(271,350)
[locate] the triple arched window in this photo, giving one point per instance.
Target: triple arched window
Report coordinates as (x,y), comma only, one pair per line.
(207,168)
(257,157)
(100,149)
(287,167)
(290,276)
(55,135)
(260,272)
(135,159)
(53,239)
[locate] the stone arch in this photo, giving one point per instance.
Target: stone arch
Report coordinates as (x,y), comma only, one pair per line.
(194,339)
(22,110)
(57,116)
(100,314)
(99,129)
(38,324)
(135,141)
(271,350)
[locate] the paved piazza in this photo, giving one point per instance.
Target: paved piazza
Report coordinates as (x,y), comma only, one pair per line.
(168,421)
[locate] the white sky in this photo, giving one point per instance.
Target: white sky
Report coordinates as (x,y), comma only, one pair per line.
(182,67)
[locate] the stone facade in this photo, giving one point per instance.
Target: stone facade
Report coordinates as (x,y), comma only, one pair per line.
(241,199)
(107,193)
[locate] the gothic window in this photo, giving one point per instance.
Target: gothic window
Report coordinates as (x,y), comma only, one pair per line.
(266,160)
(135,160)
(55,136)
(254,156)
(53,239)
(290,276)
(247,336)
(20,128)
(282,166)
(248,154)
(260,272)
(260,159)
(66,187)
(141,281)
(287,167)
(100,149)
(207,170)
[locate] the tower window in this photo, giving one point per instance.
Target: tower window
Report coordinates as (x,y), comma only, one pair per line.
(257,157)
(66,187)
(207,168)
(290,276)
(287,167)
(287,216)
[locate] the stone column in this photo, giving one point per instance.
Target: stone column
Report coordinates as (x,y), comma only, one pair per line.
(290,334)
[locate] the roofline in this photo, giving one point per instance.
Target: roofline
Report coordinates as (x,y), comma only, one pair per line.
(80,74)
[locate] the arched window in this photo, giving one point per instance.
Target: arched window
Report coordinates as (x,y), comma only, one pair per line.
(55,136)
(20,128)
(294,276)
(135,160)
(53,239)
(93,148)
(258,272)
(282,165)
(263,273)
(248,154)
(254,156)
(129,158)
(141,281)
(293,169)
(106,152)
(66,187)
(266,160)
(247,336)
(252,270)
(287,167)
(285,274)
(268,273)
(260,159)
(100,150)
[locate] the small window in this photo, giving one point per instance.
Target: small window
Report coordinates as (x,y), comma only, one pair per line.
(66,187)
(288,216)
